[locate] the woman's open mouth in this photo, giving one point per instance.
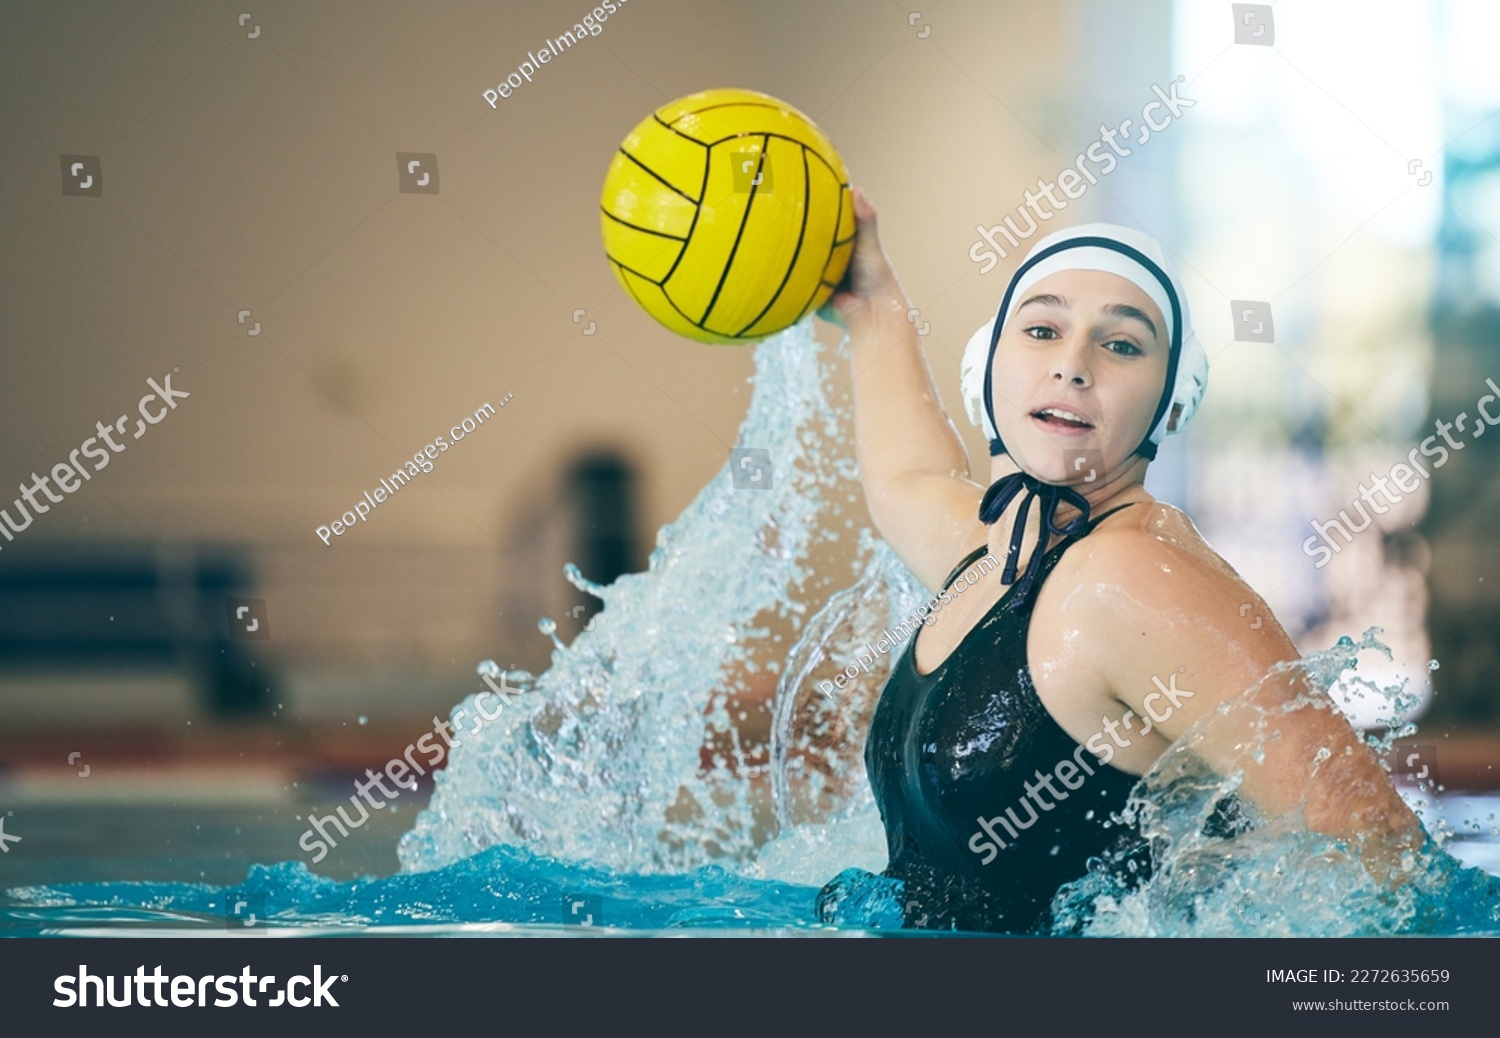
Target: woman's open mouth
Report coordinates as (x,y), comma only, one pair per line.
(1062,420)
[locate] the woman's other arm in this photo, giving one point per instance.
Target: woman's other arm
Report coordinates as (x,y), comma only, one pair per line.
(1165,616)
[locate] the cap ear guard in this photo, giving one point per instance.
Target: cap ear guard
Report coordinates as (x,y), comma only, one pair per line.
(1192,381)
(971,376)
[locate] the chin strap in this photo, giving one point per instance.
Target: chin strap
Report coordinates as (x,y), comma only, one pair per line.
(1000,494)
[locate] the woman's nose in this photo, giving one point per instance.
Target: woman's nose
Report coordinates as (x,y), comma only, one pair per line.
(1070,363)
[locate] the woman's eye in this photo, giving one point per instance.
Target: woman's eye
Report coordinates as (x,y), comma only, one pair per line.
(1034,329)
(1124,347)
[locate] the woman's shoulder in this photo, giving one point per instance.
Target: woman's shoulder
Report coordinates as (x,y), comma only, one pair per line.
(1145,587)
(1147,538)
(1145,518)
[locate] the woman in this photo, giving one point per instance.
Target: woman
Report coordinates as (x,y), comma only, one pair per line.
(1016,723)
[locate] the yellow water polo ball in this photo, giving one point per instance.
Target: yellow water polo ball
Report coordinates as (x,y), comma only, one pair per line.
(727,216)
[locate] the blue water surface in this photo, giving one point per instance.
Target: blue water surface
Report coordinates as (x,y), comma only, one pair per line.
(499,885)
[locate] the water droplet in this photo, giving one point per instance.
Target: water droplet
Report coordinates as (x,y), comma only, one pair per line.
(548,626)
(489,669)
(363,719)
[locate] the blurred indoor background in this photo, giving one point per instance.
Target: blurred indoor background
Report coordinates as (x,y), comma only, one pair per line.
(1343,176)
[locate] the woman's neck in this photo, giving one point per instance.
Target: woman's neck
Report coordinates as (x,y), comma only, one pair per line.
(1112,491)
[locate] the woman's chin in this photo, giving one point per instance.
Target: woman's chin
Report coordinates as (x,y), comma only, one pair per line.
(1051,460)
(1045,466)
(1082,470)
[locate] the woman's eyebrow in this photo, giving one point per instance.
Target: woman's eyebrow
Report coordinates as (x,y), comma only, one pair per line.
(1127,311)
(1044,299)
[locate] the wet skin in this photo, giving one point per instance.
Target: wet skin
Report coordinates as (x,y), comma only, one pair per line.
(1141,597)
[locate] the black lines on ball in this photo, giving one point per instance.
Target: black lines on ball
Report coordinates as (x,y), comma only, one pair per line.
(782,137)
(801,234)
(651,281)
(728,104)
(659,177)
(679,133)
(738,235)
(638,227)
(838,218)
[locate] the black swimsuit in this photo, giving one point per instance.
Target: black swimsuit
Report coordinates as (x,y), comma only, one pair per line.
(972,743)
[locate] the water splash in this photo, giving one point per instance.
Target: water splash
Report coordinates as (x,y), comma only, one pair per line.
(818,730)
(1276,877)
(630,753)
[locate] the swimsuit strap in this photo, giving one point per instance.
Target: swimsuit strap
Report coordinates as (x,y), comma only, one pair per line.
(968,560)
(979,552)
(1106,515)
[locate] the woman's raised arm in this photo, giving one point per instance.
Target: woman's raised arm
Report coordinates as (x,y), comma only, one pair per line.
(912,462)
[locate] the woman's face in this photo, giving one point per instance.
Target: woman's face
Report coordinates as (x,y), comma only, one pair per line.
(1080,367)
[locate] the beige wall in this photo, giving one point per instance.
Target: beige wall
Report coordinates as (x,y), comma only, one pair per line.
(260,174)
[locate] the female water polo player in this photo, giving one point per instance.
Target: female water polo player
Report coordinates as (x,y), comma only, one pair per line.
(1017,721)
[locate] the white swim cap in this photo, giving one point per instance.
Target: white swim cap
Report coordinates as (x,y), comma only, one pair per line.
(1132,255)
